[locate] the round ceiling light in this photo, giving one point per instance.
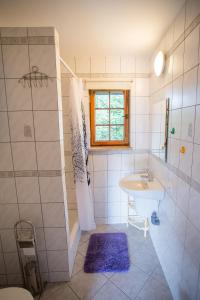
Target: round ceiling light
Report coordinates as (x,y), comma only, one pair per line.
(159,63)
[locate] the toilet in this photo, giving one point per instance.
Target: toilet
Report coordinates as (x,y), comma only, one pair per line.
(14,293)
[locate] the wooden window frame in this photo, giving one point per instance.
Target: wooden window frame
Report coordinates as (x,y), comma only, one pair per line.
(93,142)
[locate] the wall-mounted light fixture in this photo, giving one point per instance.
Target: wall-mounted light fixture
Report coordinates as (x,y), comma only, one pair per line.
(159,63)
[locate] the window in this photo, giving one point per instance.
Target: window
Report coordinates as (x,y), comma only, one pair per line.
(109,117)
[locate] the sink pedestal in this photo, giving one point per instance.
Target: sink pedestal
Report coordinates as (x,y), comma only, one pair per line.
(144,194)
(138,221)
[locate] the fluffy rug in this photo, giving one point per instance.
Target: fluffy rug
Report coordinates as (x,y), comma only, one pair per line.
(107,252)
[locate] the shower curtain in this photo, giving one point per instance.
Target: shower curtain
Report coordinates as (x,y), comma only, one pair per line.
(80,156)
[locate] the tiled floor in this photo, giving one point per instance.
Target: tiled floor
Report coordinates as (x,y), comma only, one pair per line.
(144,280)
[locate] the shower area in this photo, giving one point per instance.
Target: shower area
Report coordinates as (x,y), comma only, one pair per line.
(36,167)
(74,228)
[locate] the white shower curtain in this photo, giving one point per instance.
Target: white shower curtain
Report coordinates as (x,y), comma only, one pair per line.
(80,156)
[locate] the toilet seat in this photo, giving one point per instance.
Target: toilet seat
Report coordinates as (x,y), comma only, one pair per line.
(14,293)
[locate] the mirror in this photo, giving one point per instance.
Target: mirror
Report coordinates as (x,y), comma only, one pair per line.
(159,126)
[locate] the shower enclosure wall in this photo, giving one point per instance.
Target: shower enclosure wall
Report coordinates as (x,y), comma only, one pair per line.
(32,161)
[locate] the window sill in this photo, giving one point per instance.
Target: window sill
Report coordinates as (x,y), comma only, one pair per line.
(110,149)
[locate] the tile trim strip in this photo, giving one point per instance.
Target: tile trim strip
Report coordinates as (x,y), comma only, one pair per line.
(31,40)
(31,173)
(190,181)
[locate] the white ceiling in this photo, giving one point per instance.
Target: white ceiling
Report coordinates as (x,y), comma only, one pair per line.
(96,27)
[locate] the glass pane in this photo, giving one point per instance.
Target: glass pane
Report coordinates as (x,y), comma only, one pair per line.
(102,116)
(102,133)
(116,100)
(101,100)
(117,133)
(117,116)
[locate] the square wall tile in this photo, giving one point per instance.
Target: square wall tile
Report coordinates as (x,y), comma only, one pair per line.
(6,162)
(191,49)
(7,191)
(12,263)
(185,164)
(83,64)
(57,260)
(44,57)
(100,179)
(113,194)
(187,123)
(142,123)
(192,11)
(3,104)
(31,212)
(46,125)
(51,189)
(8,240)
(28,190)
(100,162)
(142,87)
(127,162)
(179,24)
(190,88)
(53,214)
(21,126)
(178,61)
(9,215)
(142,64)
(4,129)
(13,31)
(141,161)
(15,58)
(182,193)
(18,97)
(100,209)
(128,64)
(114,209)
(198,87)
(24,156)
(142,141)
(1,65)
(98,64)
(142,105)
(196,163)
(197,125)
(46,98)
(173,152)
(59,276)
(112,64)
(41,31)
(114,162)
(192,243)
(49,155)
(177,93)
(56,238)
(113,178)
(100,194)
(194,208)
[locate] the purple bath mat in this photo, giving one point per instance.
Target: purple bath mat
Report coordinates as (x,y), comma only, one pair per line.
(107,252)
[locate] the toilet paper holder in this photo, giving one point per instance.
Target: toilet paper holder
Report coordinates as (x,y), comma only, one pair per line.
(28,257)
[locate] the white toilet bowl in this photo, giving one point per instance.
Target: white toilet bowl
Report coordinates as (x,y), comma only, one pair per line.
(14,293)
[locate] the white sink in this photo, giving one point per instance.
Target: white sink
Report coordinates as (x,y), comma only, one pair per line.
(139,187)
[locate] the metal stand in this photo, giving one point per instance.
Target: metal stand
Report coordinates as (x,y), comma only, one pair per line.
(139,222)
(28,256)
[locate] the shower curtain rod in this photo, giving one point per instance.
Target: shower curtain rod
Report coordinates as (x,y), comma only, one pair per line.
(68,68)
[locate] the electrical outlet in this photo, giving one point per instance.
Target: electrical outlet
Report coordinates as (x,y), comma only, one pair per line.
(27,131)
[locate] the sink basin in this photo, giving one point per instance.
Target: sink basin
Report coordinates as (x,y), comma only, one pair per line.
(136,185)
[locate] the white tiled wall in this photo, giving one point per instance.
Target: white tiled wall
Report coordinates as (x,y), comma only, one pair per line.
(177,238)
(30,150)
(108,168)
